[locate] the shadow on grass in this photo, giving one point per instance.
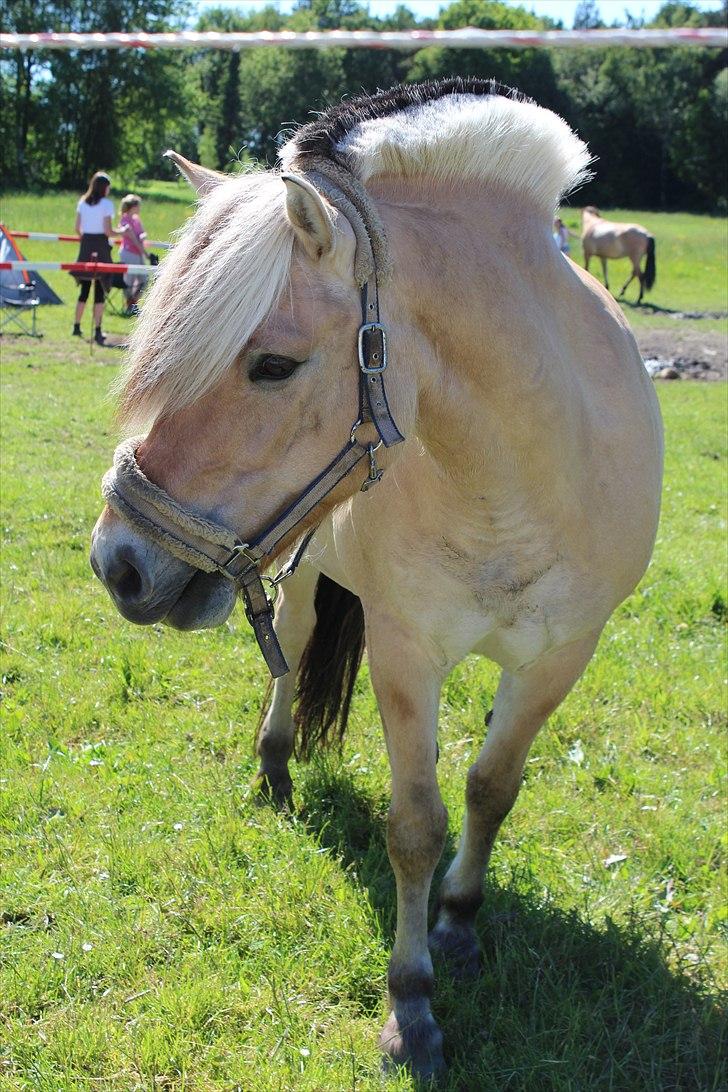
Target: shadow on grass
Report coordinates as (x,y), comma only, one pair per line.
(645,308)
(561,1004)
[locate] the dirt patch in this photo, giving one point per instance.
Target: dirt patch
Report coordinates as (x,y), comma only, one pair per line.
(690,353)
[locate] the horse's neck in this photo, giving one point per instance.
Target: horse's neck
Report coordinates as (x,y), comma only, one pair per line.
(476,275)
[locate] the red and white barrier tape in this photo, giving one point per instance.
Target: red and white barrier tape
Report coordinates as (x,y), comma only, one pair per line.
(465,38)
(94,268)
(49,237)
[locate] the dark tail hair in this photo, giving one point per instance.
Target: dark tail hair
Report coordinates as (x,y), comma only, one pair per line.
(650,267)
(329,668)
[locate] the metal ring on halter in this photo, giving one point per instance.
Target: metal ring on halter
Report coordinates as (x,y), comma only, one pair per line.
(274,587)
(354,427)
(370,447)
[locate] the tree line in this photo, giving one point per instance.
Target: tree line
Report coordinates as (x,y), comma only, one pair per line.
(655,118)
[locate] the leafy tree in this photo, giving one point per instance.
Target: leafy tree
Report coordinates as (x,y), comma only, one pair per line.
(528,70)
(678,13)
(586,16)
(90,108)
(698,149)
(654,118)
(18,73)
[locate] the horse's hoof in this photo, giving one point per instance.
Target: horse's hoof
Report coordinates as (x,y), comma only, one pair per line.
(411,1039)
(458,947)
(276,790)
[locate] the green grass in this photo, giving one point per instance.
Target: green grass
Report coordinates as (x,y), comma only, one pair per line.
(165,207)
(161,931)
(691,251)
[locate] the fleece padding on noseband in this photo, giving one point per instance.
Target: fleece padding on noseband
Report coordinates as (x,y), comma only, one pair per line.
(129,492)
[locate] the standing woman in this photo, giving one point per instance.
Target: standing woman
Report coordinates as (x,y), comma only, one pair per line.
(94,214)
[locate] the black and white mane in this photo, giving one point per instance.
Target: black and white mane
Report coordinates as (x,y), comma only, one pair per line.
(452,130)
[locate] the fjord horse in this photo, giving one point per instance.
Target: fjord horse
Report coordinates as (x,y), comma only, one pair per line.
(606,239)
(499,495)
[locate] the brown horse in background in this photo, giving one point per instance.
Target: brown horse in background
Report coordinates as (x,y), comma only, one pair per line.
(605,239)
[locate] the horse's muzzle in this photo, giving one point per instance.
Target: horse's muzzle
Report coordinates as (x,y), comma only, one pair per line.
(148,585)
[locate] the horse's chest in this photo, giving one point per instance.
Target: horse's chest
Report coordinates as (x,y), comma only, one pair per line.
(513,606)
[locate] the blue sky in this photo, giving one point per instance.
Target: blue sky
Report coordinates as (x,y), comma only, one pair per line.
(557,9)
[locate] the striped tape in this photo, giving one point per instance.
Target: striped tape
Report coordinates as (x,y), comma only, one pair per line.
(50,237)
(464,38)
(94,268)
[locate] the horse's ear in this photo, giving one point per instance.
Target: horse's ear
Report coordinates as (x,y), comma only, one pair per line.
(309,217)
(200,178)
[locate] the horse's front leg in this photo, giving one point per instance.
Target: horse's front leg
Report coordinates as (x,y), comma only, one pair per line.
(604,270)
(295,617)
(522,703)
(407,688)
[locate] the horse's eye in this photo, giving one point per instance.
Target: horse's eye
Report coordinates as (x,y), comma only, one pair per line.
(273,367)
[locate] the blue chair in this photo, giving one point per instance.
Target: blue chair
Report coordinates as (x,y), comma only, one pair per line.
(14,312)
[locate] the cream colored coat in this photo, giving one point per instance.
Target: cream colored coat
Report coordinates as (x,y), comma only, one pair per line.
(520,511)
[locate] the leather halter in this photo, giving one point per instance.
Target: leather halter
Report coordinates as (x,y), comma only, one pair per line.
(211,547)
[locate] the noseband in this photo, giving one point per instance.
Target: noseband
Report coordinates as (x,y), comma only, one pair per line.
(211,547)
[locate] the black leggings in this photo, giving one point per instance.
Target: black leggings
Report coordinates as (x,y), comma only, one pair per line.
(99,295)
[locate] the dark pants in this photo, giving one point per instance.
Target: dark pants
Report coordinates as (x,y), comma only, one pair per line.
(99,295)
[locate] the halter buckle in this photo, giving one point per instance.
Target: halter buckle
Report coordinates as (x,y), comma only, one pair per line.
(240,549)
(366,367)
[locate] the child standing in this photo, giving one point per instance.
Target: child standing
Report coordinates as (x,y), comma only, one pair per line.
(561,235)
(132,249)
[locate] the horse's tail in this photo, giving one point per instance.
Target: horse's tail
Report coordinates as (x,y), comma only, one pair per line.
(650,267)
(328,668)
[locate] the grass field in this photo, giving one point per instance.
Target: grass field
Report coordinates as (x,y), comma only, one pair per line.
(161,931)
(691,250)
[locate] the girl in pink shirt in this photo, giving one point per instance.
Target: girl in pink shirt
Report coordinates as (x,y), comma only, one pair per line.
(132,248)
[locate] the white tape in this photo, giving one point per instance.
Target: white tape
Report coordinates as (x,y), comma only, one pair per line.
(465,38)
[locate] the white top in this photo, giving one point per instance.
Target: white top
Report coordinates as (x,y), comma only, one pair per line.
(92,216)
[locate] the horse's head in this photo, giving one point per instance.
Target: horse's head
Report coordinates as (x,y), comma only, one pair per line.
(244,369)
(590,210)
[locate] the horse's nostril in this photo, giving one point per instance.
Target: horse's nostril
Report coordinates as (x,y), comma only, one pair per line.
(126,581)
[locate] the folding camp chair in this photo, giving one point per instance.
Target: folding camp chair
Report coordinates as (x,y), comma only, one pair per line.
(13,310)
(115,298)
(113,302)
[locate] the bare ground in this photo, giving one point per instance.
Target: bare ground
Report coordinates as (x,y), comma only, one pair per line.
(684,352)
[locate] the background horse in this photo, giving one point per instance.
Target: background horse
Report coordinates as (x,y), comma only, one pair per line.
(606,239)
(519,440)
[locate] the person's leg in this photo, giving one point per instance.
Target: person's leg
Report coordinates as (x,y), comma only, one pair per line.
(80,307)
(99,299)
(127,258)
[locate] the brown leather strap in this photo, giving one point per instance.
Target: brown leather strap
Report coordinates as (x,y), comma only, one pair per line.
(372,352)
(259,612)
